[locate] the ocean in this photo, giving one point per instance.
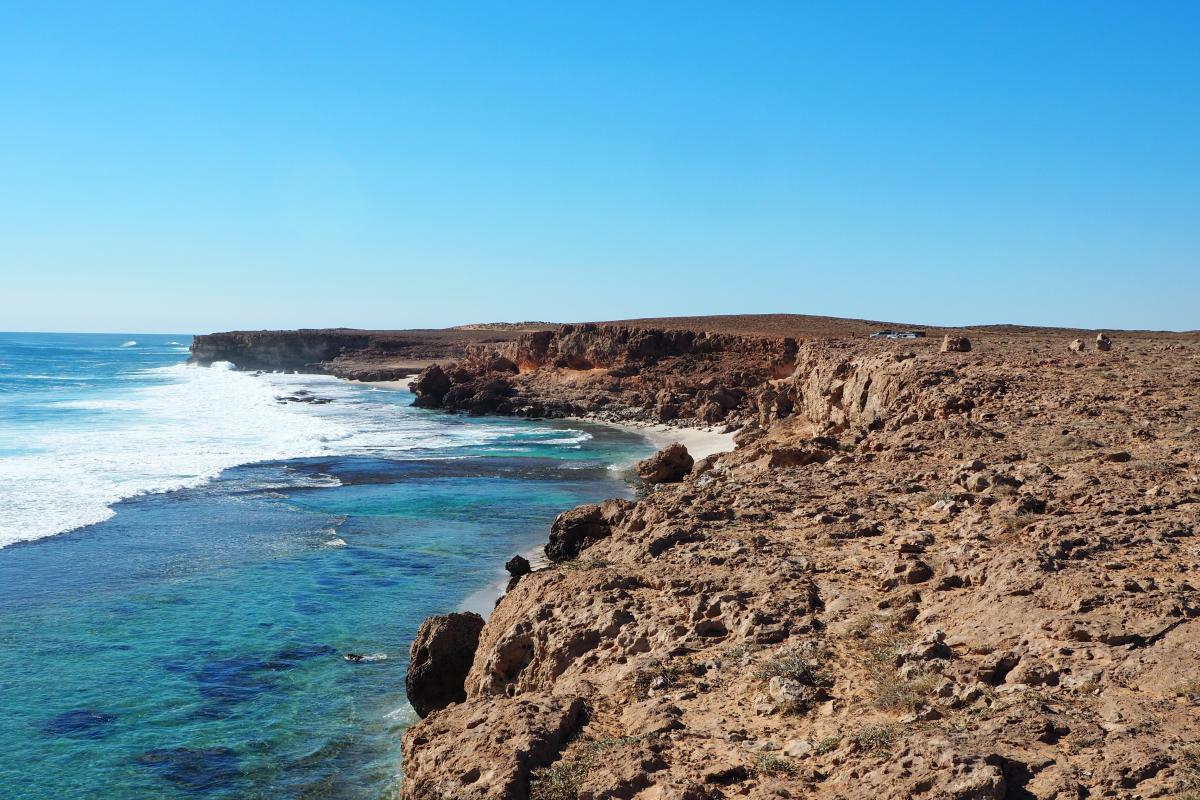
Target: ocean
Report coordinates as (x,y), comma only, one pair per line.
(188,554)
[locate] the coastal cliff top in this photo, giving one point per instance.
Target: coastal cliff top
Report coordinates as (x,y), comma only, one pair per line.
(799,326)
(808,326)
(396,354)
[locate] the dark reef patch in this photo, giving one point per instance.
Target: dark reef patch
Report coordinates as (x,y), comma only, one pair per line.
(291,656)
(197,770)
(82,723)
(228,681)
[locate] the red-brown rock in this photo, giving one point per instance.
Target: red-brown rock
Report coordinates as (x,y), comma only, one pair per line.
(668,465)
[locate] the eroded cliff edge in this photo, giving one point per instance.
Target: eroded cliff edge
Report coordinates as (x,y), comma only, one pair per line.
(920,574)
(344,352)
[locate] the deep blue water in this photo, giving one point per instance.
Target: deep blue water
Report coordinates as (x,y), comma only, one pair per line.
(191,642)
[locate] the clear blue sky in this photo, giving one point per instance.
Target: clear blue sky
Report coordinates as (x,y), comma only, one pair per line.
(187,167)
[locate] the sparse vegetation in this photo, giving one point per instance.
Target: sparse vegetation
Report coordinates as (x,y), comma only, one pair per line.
(559,781)
(774,766)
(661,676)
(882,642)
(563,779)
(875,738)
(893,693)
(826,745)
(740,651)
(793,666)
(927,499)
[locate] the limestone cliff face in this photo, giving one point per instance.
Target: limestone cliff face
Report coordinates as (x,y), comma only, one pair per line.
(612,371)
(303,350)
(585,347)
(839,387)
(623,373)
(929,574)
(347,353)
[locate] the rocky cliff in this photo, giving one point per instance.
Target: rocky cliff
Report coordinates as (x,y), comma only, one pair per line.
(610,371)
(920,574)
(303,350)
(347,353)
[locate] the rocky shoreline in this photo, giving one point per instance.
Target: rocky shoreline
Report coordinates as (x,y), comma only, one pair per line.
(959,571)
(958,574)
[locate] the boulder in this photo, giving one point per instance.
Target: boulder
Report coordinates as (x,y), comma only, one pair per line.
(931,646)
(1076,346)
(440,659)
(956,344)
(727,399)
(430,387)
(668,465)
(486,395)
(582,526)
(710,413)
(1103,343)
(518,566)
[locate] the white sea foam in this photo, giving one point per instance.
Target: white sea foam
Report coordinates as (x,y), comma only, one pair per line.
(169,436)
(130,343)
(188,424)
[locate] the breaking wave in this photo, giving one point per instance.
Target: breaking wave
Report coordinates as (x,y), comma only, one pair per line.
(181,426)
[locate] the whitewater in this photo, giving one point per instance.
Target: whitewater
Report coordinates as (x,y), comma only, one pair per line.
(73,449)
(249,554)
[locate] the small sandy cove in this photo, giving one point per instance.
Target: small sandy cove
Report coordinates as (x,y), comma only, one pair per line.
(700,442)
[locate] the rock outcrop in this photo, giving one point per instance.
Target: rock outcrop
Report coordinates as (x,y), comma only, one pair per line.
(668,465)
(614,372)
(956,344)
(430,387)
(439,660)
(581,527)
(918,575)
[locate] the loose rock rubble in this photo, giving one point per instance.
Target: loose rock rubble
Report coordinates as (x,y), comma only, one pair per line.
(961,574)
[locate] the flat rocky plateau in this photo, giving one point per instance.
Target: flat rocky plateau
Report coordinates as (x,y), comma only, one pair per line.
(920,574)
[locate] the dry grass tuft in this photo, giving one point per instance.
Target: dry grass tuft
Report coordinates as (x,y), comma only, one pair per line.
(875,738)
(881,643)
(563,779)
(774,766)
(826,745)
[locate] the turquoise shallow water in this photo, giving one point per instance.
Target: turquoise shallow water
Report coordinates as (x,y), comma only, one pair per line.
(192,643)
